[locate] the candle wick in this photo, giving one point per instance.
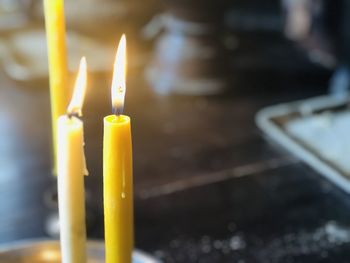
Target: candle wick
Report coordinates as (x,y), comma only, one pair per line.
(117,110)
(72,114)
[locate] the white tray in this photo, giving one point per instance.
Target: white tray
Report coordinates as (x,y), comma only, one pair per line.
(273,120)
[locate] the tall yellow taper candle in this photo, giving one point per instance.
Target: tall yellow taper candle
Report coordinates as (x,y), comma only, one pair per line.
(71,168)
(57,54)
(117,171)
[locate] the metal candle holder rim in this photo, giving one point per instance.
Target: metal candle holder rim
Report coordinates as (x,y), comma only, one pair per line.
(98,245)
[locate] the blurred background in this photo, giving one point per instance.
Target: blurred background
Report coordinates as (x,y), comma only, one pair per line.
(209,187)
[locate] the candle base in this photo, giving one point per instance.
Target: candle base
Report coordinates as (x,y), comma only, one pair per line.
(48,251)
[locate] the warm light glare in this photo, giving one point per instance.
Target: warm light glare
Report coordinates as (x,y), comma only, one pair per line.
(76,104)
(119,77)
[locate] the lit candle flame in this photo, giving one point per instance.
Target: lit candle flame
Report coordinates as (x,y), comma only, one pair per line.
(76,104)
(119,78)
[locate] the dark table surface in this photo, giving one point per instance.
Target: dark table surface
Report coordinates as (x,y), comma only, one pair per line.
(208,186)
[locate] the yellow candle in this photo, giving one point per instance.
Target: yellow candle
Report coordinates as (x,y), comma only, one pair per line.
(57,54)
(71,168)
(117,171)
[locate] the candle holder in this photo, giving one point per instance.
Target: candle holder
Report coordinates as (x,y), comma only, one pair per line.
(48,251)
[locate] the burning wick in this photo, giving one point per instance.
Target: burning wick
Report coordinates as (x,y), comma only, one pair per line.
(119,109)
(119,79)
(76,104)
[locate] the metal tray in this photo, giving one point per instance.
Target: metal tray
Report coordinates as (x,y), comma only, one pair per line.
(48,251)
(273,121)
